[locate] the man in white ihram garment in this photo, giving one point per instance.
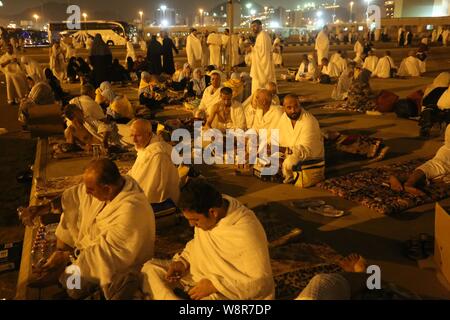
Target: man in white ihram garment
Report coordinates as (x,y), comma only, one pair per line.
(300,133)
(262,68)
(153,169)
(16,82)
(194,49)
(371,62)
(210,97)
(434,169)
(227,114)
(58,62)
(107,228)
(33,69)
(322,44)
(225,39)
(214,42)
(130,51)
(228,259)
(411,66)
(384,66)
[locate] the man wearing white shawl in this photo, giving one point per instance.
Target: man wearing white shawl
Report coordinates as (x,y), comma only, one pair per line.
(262,68)
(436,168)
(371,62)
(322,44)
(87,103)
(307,69)
(194,49)
(214,42)
(211,95)
(267,115)
(228,259)
(16,83)
(384,66)
(33,69)
(338,58)
(358,48)
(235,56)
(227,114)
(340,91)
(153,169)
(130,51)
(300,133)
(330,69)
(411,66)
(70,51)
(57,62)
(107,228)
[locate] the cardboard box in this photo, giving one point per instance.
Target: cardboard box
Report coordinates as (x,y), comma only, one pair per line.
(10,255)
(442,242)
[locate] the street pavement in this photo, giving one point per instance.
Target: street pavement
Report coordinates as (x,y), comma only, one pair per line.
(378,238)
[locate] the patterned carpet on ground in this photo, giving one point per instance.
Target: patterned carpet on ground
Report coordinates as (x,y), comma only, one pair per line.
(370,188)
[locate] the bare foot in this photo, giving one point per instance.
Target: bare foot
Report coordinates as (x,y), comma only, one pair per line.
(353,263)
(415,191)
(396,185)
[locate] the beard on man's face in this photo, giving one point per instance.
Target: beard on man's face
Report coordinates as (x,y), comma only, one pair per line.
(294,115)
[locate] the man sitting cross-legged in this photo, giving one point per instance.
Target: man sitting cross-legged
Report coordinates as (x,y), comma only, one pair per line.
(107,228)
(438,167)
(226,114)
(300,136)
(227,259)
(153,169)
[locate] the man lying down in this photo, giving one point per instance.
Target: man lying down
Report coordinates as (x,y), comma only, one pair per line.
(227,259)
(434,169)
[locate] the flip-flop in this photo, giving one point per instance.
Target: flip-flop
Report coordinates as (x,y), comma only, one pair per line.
(305,204)
(327,211)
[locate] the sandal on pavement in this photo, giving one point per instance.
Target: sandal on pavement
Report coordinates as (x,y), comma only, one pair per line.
(327,211)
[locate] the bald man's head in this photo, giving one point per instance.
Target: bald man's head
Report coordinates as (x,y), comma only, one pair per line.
(264,98)
(141,133)
(102,179)
(272,87)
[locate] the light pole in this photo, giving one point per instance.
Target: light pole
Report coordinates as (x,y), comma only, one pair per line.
(163,9)
(36,17)
(351,11)
(201,17)
(142,21)
(84,16)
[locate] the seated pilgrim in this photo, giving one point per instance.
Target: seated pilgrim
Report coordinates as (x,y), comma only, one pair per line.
(120,110)
(85,131)
(226,114)
(104,94)
(434,169)
(151,92)
(384,67)
(247,81)
(436,98)
(40,94)
(33,69)
(107,229)
(359,59)
(411,66)
(211,96)
(197,85)
(87,103)
(300,136)
(228,259)
(371,61)
(73,70)
(153,168)
(273,89)
(267,114)
(339,58)
(119,73)
(307,69)
(236,85)
(329,68)
(340,91)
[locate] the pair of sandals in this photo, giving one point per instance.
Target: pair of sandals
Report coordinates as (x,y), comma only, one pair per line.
(420,247)
(319,207)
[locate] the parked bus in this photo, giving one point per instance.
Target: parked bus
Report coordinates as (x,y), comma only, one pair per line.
(114,33)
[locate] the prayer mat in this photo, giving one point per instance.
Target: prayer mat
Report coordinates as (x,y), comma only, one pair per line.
(370,188)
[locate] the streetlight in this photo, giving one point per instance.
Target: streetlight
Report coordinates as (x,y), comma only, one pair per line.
(142,21)
(36,17)
(351,11)
(201,16)
(84,16)
(248,5)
